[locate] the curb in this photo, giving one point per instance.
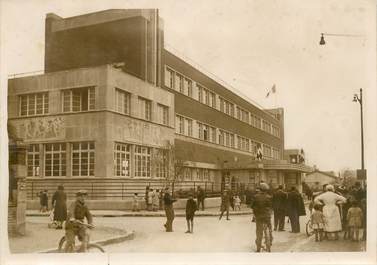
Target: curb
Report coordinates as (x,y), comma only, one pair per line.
(101,242)
(155,214)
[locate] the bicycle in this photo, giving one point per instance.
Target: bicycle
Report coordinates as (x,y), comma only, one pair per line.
(92,247)
(309,228)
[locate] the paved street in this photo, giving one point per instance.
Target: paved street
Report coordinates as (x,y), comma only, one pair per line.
(210,235)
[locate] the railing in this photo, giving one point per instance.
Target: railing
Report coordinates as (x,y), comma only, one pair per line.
(101,189)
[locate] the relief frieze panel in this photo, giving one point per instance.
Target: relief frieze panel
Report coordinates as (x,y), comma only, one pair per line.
(41,128)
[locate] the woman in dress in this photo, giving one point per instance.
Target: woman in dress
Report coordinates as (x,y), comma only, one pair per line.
(59,202)
(330,210)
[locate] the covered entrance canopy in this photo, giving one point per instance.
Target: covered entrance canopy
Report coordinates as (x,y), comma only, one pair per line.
(246,175)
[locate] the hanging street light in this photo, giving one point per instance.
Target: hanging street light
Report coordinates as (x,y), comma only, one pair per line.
(323,42)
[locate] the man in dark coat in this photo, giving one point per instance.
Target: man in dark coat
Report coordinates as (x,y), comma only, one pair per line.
(191,208)
(59,202)
(295,209)
(279,204)
(225,203)
(169,210)
(262,208)
(201,195)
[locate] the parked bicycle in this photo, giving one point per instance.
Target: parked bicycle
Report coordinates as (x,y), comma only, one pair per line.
(63,246)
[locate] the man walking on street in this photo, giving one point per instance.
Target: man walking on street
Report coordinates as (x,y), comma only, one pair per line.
(169,211)
(262,208)
(201,195)
(279,204)
(225,203)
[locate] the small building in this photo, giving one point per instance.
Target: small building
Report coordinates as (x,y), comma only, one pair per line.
(316,179)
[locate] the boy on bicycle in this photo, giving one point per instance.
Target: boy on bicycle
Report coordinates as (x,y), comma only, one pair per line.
(77,212)
(262,208)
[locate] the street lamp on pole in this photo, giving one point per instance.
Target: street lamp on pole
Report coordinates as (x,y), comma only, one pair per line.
(361,174)
(323,42)
(359,98)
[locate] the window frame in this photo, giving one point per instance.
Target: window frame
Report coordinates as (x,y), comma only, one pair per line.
(126,101)
(90,151)
(91,101)
(61,154)
(44,104)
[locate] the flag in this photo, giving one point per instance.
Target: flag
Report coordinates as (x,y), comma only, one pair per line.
(272,90)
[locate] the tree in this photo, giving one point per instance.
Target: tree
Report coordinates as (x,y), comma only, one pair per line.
(348,176)
(176,163)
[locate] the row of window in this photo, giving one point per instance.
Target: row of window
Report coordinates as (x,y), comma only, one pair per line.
(83,99)
(55,156)
(197,174)
(222,137)
(184,85)
(126,156)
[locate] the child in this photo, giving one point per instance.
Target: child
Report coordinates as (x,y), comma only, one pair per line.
(155,200)
(237,203)
(43,200)
(354,220)
(150,200)
(135,203)
(318,222)
(191,208)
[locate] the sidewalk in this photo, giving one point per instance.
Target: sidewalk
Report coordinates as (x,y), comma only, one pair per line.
(143,213)
(40,238)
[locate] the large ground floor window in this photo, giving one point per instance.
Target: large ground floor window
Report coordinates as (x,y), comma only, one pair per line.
(122,159)
(55,160)
(50,159)
(83,159)
(142,161)
(33,160)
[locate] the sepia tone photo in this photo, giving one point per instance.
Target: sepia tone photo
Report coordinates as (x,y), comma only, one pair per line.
(183,127)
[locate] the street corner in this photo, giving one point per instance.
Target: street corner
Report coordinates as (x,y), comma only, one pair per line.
(41,239)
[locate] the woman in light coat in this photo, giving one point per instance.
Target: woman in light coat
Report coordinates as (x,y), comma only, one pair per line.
(330,209)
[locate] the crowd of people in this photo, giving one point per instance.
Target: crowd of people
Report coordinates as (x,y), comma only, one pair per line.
(337,209)
(332,210)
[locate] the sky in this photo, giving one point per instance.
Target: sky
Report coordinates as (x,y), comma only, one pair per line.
(251,45)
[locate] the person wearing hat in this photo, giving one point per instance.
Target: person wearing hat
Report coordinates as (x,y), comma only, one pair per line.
(78,210)
(330,200)
(262,209)
(59,203)
(169,210)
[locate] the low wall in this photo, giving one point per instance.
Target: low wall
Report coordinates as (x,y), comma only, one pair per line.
(123,205)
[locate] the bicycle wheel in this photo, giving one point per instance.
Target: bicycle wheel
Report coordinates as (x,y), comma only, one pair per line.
(63,248)
(309,228)
(93,248)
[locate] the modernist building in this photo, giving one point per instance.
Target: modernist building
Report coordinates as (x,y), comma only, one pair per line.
(113,101)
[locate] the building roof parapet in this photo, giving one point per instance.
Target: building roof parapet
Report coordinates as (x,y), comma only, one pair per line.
(104,16)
